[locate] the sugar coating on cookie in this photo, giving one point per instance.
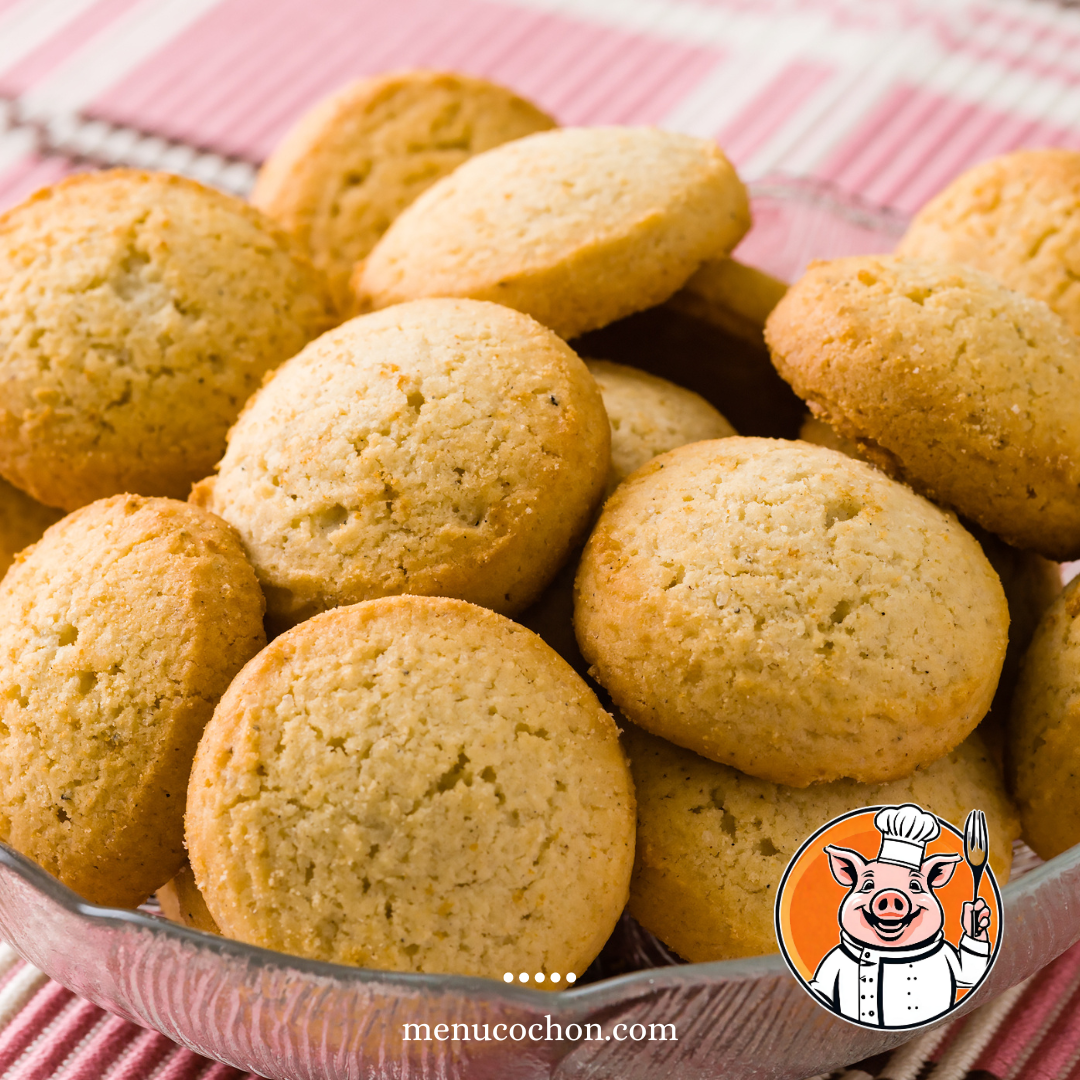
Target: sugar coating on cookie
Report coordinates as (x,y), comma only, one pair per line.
(138,312)
(650,416)
(1017,217)
(352,163)
(713,843)
(948,379)
(786,610)
(1043,749)
(443,447)
(119,631)
(414,784)
(22,521)
(578,227)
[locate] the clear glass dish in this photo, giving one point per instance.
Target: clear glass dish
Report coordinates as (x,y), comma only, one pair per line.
(283,1017)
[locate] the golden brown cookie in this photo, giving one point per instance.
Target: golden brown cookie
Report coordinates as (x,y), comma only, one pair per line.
(731,295)
(138,312)
(946,378)
(787,610)
(576,227)
(1044,735)
(443,447)
(414,784)
(650,416)
(713,843)
(1031,584)
(119,630)
(181,902)
(354,161)
(1018,218)
(22,521)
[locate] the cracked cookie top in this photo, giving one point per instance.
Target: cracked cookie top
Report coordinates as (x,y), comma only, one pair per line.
(119,631)
(443,447)
(947,379)
(787,610)
(138,312)
(414,784)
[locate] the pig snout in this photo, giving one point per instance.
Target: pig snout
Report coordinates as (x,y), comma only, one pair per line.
(890,904)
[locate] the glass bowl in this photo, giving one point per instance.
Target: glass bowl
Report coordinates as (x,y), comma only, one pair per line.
(284,1017)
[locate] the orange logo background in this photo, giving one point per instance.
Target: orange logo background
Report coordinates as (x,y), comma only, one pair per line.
(810,896)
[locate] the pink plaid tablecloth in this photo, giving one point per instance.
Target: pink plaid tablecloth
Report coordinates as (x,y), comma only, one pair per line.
(880,100)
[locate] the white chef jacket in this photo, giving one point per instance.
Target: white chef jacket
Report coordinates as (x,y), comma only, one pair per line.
(898,987)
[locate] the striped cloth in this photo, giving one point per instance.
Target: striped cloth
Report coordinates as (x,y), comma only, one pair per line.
(882,101)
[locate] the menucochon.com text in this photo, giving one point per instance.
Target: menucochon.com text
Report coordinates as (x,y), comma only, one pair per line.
(538,1032)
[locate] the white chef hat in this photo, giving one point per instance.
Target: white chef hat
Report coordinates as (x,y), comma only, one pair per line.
(905,832)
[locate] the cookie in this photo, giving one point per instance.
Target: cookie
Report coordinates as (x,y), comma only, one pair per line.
(181,902)
(1030,582)
(22,521)
(784,609)
(713,843)
(138,312)
(649,415)
(1016,217)
(443,447)
(414,784)
(946,378)
(352,163)
(1044,730)
(731,295)
(119,631)
(576,227)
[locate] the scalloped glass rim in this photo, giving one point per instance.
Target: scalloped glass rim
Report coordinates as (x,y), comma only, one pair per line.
(285,1017)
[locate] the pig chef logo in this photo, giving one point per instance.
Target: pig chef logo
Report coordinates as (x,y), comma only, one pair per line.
(889,916)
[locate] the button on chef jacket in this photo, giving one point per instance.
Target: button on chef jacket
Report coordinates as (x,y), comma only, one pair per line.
(898,987)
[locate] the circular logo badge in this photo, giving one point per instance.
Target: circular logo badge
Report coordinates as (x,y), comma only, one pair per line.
(890,916)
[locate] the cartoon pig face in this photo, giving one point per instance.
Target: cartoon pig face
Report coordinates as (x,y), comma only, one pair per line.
(890,906)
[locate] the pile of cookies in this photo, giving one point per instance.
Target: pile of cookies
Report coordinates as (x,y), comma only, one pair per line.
(365,543)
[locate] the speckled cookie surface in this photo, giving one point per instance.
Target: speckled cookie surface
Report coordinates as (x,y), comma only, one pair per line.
(444,447)
(22,521)
(713,843)
(578,227)
(786,610)
(414,784)
(966,389)
(119,630)
(650,416)
(1018,218)
(359,157)
(138,311)
(1044,734)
